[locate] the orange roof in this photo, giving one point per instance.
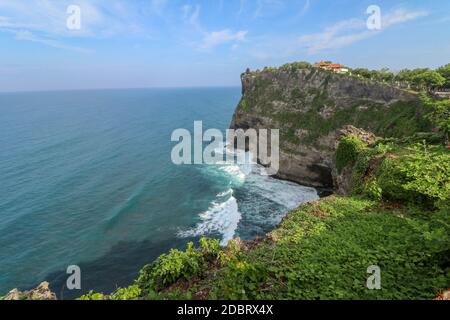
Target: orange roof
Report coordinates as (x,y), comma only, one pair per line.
(326,65)
(336,66)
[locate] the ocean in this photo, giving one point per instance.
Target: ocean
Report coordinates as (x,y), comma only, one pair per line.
(86,179)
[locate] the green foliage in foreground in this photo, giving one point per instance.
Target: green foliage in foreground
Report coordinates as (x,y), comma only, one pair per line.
(166,270)
(348,151)
(93,296)
(322,251)
(439,115)
(171,267)
(417,174)
(130,293)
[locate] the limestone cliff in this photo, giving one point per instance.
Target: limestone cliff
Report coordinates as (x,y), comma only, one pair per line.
(311,107)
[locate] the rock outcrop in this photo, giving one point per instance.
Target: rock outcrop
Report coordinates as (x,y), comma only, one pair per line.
(312,108)
(42,292)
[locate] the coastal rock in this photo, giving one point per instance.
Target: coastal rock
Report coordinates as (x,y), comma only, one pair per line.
(41,292)
(313,109)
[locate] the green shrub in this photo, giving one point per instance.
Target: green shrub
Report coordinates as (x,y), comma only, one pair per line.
(297,65)
(170,267)
(362,165)
(130,293)
(322,251)
(93,296)
(243,104)
(419,176)
(348,151)
(210,248)
(231,254)
(427,172)
(240,280)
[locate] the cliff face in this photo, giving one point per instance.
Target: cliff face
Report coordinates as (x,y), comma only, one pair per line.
(312,108)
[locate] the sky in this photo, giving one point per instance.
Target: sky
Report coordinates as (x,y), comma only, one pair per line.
(175,43)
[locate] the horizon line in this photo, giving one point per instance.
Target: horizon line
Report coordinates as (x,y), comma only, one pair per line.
(124,88)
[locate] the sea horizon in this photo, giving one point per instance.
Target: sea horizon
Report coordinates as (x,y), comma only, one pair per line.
(124,88)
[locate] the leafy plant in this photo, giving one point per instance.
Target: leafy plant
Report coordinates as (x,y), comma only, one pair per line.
(210,248)
(92,296)
(439,115)
(322,251)
(130,293)
(373,190)
(420,176)
(348,151)
(231,254)
(170,267)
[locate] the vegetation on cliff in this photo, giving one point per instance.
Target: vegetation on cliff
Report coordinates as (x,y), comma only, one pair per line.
(395,213)
(397,218)
(307,103)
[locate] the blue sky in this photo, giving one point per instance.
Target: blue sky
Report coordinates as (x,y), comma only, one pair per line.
(170,43)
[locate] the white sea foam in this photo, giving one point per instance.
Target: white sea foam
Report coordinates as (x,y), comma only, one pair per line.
(221,217)
(284,193)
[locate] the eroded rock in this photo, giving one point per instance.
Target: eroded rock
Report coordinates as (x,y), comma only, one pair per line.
(41,292)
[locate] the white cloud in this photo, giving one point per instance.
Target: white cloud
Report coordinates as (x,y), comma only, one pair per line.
(336,36)
(241,7)
(306,7)
(50,17)
(210,39)
(400,16)
(346,32)
(215,38)
(267,7)
(28,36)
(46,19)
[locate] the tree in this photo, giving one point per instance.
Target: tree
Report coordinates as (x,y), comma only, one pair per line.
(373,74)
(439,115)
(386,75)
(416,78)
(404,77)
(362,72)
(431,79)
(445,72)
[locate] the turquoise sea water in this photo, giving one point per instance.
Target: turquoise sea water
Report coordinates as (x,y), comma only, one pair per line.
(86,179)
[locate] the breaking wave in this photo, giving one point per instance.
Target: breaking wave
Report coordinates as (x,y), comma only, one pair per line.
(262,200)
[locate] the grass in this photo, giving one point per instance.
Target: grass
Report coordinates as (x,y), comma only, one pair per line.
(322,251)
